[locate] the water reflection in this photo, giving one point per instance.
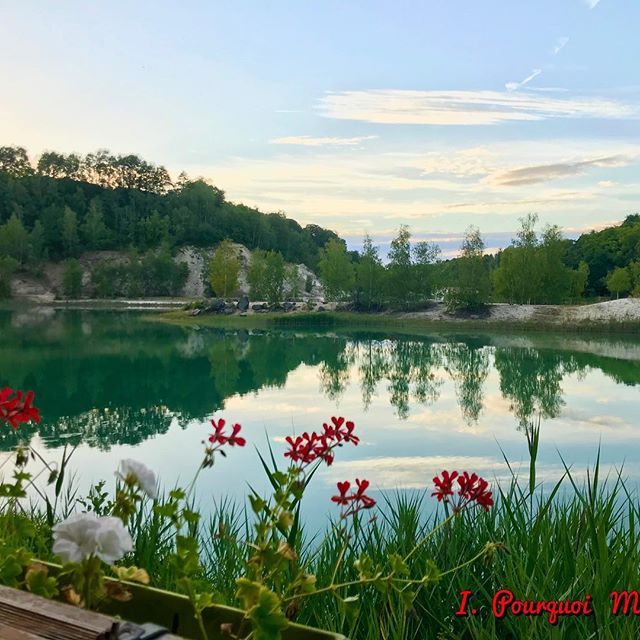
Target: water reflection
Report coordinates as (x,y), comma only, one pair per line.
(108,379)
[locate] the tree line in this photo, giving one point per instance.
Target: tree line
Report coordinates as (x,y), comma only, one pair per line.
(538,267)
(65,205)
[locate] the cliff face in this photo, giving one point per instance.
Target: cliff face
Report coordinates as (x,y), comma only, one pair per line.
(47,286)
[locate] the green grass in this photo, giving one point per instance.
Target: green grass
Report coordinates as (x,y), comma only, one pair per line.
(563,542)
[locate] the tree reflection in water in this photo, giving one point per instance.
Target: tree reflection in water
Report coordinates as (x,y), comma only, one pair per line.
(108,378)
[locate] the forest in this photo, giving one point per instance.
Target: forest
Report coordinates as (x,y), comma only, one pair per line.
(63,206)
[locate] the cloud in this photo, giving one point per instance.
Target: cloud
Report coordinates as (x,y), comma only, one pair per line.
(556,171)
(514,86)
(464,107)
(591,3)
(560,44)
(310,141)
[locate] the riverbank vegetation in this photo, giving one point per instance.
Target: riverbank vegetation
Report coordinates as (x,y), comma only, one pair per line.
(395,566)
(65,206)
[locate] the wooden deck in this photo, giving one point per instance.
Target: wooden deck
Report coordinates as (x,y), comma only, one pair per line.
(24,616)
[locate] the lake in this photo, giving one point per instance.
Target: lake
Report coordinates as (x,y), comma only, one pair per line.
(118,386)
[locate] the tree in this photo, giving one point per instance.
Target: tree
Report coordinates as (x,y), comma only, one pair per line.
(93,230)
(369,276)
(266,276)
(472,286)
(72,279)
(336,270)
(517,278)
(619,281)
(14,240)
(224,268)
(555,277)
(579,279)
(15,161)
(425,255)
(70,239)
(57,165)
(399,273)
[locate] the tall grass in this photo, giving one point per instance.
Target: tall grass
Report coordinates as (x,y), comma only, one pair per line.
(554,543)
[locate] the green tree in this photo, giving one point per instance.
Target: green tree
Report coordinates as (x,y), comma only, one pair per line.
(72,279)
(369,276)
(15,161)
(472,286)
(400,288)
(224,268)
(336,270)
(93,230)
(555,277)
(579,279)
(266,276)
(425,255)
(37,242)
(517,278)
(619,281)
(14,240)
(70,238)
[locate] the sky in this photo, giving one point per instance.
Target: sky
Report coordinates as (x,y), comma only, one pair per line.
(359,115)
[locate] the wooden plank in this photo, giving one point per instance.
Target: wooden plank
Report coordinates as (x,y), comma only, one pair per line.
(8,633)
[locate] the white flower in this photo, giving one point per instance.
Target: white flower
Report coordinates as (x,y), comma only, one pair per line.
(84,534)
(74,539)
(112,540)
(132,470)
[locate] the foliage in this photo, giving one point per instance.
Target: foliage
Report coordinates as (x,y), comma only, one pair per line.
(266,276)
(336,270)
(72,278)
(472,287)
(153,274)
(224,268)
(619,281)
(103,201)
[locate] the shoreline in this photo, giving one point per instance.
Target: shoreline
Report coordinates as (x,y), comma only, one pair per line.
(615,316)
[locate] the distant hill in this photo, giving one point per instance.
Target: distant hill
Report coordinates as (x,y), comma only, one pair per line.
(65,206)
(605,250)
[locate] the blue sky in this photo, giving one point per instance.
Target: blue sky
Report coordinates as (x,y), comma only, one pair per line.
(359,116)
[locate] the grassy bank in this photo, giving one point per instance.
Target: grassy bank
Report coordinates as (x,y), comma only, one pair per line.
(399,323)
(568,542)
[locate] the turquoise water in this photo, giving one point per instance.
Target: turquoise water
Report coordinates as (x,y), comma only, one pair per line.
(119,387)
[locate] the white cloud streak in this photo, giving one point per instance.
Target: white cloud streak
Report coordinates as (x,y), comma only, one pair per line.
(514,86)
(465,107)
(561,43)
(310,141)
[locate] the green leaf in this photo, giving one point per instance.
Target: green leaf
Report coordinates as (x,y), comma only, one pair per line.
(41,584)
(267,616)
(432,573)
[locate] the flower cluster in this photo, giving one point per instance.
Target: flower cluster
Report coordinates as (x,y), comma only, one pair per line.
(470,489)
(354,501)
(313,446)
(83,535)
(16,407)
(219,438)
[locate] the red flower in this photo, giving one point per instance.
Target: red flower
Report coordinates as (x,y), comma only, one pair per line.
(17,409)
(471,488)
(218,432)
(357,500)
(234,438)
(343,487)
(444,486)
(313,446)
